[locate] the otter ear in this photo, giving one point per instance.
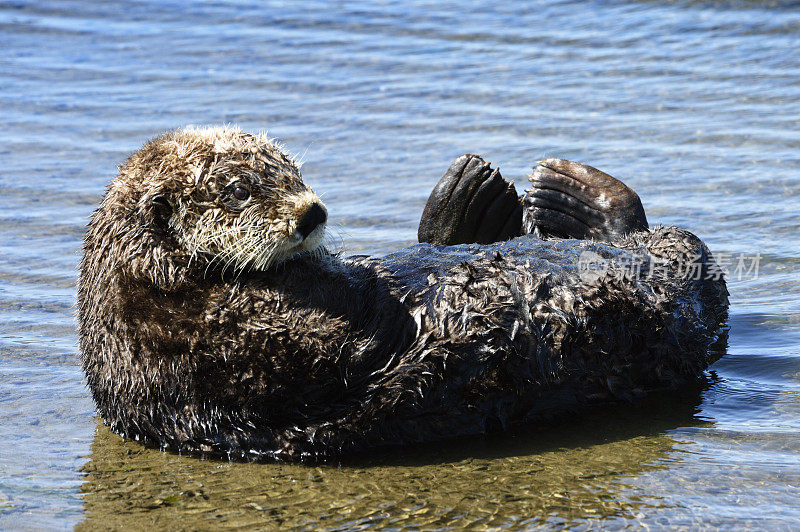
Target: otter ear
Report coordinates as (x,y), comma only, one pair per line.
(160,210)
(151,254)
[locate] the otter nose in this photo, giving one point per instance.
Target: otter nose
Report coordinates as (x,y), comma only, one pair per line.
(311,219)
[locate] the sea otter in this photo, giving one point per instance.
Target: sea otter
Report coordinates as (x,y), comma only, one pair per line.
(212,319)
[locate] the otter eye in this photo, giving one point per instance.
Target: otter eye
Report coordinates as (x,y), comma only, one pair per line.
(241,192)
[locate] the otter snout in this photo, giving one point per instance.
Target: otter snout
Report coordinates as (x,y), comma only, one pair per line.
(314,216)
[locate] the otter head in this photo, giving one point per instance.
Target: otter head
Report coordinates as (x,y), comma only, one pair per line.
(205,199)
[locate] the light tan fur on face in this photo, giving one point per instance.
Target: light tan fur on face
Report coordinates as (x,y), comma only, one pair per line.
(246,241)
(195,170)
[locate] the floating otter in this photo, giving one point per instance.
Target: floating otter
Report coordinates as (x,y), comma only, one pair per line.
(213,320)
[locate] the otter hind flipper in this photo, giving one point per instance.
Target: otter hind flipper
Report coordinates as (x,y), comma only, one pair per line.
(574,200)
(471,203)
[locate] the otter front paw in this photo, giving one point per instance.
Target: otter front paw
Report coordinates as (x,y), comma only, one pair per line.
(574,200)
(471,203)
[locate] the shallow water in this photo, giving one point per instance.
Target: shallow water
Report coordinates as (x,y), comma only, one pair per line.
(696,105)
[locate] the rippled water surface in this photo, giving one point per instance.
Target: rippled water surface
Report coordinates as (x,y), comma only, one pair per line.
(695,105)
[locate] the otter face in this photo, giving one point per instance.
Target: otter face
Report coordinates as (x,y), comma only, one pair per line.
(230,198)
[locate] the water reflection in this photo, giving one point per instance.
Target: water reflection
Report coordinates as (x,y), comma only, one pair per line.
(570,472)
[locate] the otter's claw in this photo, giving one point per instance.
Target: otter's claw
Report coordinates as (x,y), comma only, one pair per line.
(471,203)
(573,200)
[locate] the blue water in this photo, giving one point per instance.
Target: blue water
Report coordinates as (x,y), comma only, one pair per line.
(696,105)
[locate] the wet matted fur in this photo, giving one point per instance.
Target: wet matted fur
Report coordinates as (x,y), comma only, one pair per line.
(209,323)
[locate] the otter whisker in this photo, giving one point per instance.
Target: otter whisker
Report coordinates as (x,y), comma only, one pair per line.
(240,257)
(234,254)
(239,246)
(334,239)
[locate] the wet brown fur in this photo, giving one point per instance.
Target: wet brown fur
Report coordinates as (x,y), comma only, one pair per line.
(191,346)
